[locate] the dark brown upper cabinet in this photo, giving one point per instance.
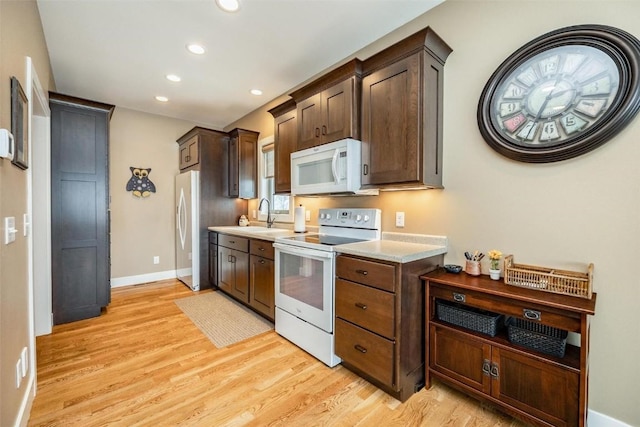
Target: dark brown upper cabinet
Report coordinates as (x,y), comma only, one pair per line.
(285,143)
(243,164)
(328,109)
(402,91)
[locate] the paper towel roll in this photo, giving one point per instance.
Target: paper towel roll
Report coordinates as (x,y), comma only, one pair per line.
(298,219)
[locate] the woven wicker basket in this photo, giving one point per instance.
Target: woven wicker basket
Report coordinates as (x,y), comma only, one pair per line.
(548,279)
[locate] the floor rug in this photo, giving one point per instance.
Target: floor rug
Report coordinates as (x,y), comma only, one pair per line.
(221,319)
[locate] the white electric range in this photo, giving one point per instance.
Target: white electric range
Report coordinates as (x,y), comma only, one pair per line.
(305,277)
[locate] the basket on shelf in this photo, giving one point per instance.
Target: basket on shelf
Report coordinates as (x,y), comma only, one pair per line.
(542,338)
(549,279)
(471,318)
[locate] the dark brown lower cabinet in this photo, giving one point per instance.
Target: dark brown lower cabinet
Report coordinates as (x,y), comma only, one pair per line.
(540,389)
(233,266)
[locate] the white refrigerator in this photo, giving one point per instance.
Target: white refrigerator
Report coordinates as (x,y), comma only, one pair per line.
(188,229)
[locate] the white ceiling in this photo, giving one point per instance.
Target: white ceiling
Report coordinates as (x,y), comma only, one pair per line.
(119,51)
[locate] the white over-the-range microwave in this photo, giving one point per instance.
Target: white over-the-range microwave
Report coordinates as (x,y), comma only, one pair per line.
(330,169)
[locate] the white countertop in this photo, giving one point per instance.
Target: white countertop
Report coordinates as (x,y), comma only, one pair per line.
(254,232)
(394,250)
(395,247)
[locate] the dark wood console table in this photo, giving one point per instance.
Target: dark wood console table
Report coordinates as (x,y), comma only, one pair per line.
(535,387)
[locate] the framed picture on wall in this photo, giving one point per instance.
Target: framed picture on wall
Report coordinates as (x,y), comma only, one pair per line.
(20,124)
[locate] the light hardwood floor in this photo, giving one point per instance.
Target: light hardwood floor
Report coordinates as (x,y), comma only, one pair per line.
(143,363)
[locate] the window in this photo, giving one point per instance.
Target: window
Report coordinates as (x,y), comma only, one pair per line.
(281,206)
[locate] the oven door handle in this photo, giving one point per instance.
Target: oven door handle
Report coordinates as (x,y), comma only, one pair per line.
(298,251)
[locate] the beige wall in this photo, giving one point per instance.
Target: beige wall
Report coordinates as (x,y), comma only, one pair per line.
(20,36)
(563,215)
(142,228)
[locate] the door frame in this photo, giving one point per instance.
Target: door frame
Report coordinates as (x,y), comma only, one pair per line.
(39,206)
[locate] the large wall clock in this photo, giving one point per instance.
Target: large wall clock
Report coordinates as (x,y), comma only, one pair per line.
(562,94)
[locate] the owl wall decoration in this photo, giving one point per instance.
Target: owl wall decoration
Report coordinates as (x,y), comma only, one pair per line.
(139,183)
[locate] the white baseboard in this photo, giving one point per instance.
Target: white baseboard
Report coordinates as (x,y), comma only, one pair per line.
(596,419)
(27,402)
(117,282)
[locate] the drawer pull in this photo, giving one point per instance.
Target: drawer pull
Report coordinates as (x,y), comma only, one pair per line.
(232,241)
(261,249)
(261,261)
(531,314)
(360,348)
(494,371)
(486,367)
(459,297)
(363,272)
(361,305)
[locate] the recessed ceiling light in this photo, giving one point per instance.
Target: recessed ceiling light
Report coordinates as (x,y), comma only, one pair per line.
(228,5)
(256,92)
(196,49)
(173,78)
(162,98)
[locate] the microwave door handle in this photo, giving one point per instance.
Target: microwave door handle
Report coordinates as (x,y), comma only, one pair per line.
(334,166)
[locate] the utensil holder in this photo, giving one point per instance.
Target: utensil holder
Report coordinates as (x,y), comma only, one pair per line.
(472,268)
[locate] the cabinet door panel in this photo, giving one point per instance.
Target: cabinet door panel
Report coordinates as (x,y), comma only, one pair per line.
(189,153)
(309,117)
(391,137)
(337,114)
(226,271)
(546,391)
(286,142)
(459,357)
(261,293)
(241,284)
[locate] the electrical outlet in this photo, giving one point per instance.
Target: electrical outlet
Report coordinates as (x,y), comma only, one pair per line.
(156,260)
(18,373)
(254,214)
(307,215)
(399,219)
(24,360)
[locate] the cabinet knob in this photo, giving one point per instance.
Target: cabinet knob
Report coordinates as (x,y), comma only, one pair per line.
(261,249)
(361,305)
(363,272)
(261,261)
(360,348)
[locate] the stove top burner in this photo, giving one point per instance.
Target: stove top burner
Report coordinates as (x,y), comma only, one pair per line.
(325,239)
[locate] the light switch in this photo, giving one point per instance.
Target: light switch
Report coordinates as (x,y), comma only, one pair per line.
(400,219)
(10,230)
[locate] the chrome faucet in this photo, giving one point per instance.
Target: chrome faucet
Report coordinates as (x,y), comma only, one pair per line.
(270,220)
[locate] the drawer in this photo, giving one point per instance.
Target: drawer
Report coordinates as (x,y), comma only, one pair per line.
(505,306)
(367,307)
(262,248)
(213,237)
(366,351)
(372,273)
(234,242)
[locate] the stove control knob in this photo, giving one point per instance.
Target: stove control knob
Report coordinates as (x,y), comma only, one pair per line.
(358,218)
(328,216)
(366,218)
(321,216)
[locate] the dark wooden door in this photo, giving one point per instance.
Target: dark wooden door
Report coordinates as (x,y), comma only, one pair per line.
(286,142)
(537,387)
(79,212)
(309,118)
(241,272)
(262,288)
(391,136)
(337,108)
(226,271)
